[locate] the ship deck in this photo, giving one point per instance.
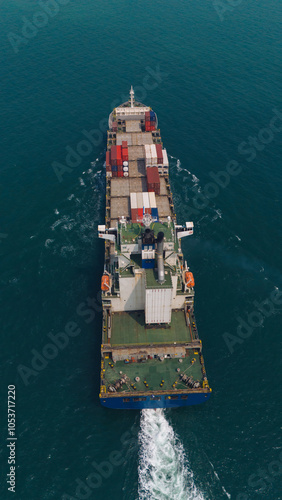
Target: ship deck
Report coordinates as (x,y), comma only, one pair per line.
(153,371)
(128,328)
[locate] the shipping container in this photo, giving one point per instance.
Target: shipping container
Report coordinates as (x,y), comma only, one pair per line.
(140,213)
(139,200)
(125,154)
(165,158)
(108,168)
(154,154)
(120,174)
(152,199)
(114,126)
(114,168)
(113,154)
(159,153)
(154,212)
(133,200)
(146,201)
(134,214)
(152,115)
(114,173)
(153,179)
(120,168)
(124,144)
(153,175)
(147,115)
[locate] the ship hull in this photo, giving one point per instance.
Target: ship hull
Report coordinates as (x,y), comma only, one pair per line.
(118,403)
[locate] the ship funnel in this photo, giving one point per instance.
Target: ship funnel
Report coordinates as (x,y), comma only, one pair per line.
(160,259)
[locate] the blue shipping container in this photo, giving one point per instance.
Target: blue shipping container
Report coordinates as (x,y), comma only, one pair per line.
(114,168)
(155,213)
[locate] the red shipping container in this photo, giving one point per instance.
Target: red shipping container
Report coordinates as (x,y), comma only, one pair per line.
(134,214)
(148,211)
(125,154)
(153,179)
(140,213)
(147,115)
(119,157)
(159,153)
(120,174)
(120,168)
(124,144)
(108,168)
(108,158)
(114,174)
(113,155)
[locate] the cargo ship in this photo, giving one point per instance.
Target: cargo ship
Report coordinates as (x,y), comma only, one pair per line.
(151,353)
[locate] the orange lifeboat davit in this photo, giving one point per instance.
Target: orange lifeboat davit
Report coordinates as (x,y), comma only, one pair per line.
(105,283)
(189,279)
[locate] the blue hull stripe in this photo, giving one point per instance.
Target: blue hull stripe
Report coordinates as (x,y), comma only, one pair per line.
(124,403)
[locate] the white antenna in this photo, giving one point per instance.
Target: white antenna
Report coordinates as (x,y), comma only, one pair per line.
(132,97)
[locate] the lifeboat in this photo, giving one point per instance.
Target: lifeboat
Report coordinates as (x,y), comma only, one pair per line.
(105,283)
(189,279)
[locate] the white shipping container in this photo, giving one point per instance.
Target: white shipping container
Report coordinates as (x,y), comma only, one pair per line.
(165,158)
(146,201)
(147,150)
(133,200)
(158,305)
(139,200)
(154,154)
(152,198)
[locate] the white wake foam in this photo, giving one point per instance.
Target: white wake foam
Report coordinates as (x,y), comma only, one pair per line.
(164,471)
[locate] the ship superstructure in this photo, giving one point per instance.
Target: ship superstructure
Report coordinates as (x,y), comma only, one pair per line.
(151,352)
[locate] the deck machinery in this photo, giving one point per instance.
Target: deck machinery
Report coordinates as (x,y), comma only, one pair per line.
(151,354)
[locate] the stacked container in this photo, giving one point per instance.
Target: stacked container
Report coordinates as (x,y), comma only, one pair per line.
(133,205)
(124,151)
(165,159)
(114,126)
(153,205)
(148,159)
(153,179)
(153,154)
(114,161)
(146,203)
(139,197)
(159,154)
(150,121)
(141,203)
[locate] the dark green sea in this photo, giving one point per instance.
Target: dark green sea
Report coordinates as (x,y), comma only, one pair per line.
(212,71)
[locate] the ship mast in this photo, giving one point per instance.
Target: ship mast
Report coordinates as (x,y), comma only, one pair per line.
(131,97)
